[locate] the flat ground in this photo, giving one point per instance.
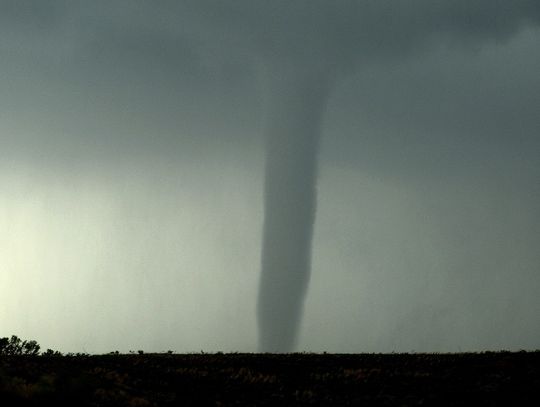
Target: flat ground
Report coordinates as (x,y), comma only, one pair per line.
(493,378)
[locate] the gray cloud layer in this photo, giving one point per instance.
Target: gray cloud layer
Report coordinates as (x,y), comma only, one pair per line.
(107,52)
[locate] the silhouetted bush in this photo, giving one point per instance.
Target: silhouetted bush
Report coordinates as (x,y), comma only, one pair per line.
(16,346)
(3,345)
(51,353)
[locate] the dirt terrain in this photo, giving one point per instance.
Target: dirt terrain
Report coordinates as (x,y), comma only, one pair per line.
(492,378)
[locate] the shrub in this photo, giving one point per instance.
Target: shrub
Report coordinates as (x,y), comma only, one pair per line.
(30,348)
(51,353)
(4,342)
(16,346)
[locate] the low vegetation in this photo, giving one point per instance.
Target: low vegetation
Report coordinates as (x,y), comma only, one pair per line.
(28,378)
(15,346)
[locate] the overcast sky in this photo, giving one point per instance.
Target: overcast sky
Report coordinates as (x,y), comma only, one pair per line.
(131,172)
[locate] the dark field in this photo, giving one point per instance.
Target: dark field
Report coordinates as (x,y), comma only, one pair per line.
(500,378)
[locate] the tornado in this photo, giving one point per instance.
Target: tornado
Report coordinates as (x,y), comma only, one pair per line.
(296,103)
(303,45)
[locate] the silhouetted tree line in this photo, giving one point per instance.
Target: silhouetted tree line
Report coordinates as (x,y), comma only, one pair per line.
(15,346)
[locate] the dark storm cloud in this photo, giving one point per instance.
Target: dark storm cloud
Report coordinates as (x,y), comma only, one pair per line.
(446,112)
(187,41)
(342,33)
(99,78)
(346,33)
(117,52)
(31,14)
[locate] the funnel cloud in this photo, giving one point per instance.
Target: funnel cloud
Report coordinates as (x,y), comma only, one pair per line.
(321,37)
(297,101)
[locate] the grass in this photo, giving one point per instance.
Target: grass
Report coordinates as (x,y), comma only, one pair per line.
(491,378)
